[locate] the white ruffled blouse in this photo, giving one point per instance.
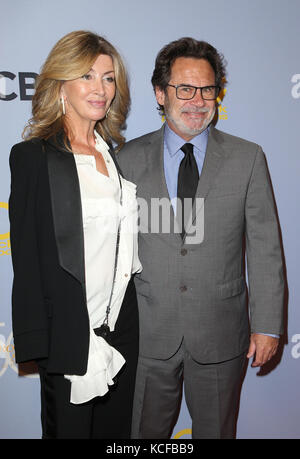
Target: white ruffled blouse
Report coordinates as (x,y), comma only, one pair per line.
(100,198)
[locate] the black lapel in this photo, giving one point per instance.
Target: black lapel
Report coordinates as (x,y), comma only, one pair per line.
(66,208)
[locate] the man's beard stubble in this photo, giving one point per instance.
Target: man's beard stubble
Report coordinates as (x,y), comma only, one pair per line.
(186,130)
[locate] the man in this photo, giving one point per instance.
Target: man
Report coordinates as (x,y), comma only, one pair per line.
(194,324)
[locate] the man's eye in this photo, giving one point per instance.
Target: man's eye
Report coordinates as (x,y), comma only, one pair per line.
(186,89)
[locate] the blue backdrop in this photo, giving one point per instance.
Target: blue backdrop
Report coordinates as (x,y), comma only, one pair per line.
(260,40)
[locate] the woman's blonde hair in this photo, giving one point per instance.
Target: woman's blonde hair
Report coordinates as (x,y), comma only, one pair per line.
(72,57)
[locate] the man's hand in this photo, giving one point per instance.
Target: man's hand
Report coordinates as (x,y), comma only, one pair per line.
(263,347)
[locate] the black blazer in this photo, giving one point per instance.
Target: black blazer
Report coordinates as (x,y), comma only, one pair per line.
(49,311)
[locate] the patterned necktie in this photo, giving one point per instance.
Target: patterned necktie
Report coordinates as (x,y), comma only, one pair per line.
(188,177)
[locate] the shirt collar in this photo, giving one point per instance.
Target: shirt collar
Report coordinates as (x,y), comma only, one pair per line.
(174,142)
(100,141)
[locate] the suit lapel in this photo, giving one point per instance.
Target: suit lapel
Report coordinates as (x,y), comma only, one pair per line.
(154,152)
(213,160)
(113,155)
(66,209)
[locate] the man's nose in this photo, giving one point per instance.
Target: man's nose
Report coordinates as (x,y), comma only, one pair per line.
(198,97)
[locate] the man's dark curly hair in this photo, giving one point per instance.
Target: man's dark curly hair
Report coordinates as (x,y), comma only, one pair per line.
(186,47)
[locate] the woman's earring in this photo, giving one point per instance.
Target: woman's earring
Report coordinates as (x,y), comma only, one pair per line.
(63,105)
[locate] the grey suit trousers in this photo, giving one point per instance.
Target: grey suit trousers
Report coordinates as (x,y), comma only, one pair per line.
(211,393)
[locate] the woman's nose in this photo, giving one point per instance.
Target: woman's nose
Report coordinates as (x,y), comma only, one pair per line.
(99,86)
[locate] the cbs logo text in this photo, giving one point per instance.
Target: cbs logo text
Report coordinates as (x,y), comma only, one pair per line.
(26,85)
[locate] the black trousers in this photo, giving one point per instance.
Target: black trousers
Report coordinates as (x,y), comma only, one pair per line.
(103,417)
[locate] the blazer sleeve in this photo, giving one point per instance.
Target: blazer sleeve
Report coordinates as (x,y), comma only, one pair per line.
(29,317)
(264,254)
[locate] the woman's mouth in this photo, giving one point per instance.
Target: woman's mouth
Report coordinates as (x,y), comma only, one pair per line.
(97,103)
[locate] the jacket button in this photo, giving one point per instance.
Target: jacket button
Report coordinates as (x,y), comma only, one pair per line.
(183,252)
(183,288)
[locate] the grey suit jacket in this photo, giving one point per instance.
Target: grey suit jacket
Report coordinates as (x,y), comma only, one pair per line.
(198,291)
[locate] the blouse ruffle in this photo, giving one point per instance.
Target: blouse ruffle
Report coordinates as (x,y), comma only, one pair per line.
(104,363)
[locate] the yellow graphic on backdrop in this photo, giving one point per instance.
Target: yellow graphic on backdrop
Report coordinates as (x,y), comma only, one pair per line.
(4,238)
(221,108)
(7,353)
(183,432)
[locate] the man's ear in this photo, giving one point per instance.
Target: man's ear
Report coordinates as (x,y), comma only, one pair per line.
(160,95)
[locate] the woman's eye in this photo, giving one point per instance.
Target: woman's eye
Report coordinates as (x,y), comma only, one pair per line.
(87,76)
(109,79)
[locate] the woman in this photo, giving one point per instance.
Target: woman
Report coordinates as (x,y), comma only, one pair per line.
(74,243)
